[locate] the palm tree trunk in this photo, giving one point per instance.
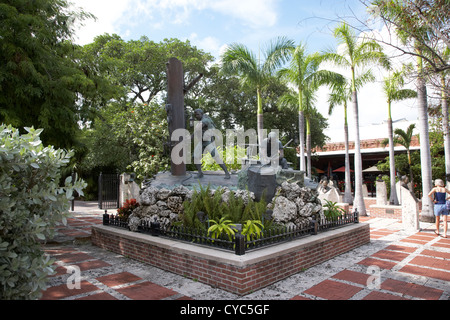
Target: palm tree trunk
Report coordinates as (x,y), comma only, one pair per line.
(411,176)
(425,155)
(259,117)
(348,183)
(393,197)
(359,198)
(308,148)
(301,129)
(446,129)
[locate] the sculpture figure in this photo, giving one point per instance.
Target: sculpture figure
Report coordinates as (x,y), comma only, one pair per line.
(269,156)
(206,144)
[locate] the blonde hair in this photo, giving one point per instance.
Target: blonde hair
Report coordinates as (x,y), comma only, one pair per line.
(439,183)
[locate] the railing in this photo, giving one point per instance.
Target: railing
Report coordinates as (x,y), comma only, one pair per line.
(238,243)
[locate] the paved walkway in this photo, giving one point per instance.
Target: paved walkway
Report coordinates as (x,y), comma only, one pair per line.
(396,265)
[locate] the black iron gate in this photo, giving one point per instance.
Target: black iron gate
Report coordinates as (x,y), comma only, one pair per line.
(108,191)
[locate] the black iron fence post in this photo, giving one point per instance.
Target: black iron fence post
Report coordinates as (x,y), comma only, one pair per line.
(155,228)
(356,215)
(100,191)
(314,226)
(105,219)
(239,240)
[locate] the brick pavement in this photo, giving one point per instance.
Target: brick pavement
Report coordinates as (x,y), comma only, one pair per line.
(396,265)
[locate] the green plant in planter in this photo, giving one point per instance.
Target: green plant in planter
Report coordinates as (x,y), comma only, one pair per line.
(332,211)
(223,226)
(252,227)
(202,201)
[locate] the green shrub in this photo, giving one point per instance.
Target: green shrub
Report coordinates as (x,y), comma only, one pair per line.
(214,208)
(332,211)
(32,204)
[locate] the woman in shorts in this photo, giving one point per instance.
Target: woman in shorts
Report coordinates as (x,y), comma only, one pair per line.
(440,209)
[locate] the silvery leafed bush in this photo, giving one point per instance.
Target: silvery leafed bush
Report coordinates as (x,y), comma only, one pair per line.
(32,203)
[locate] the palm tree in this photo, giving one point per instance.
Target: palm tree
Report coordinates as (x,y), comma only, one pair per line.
(239,60)
(392,91)
(445,124)
(357,54)
(303,72)
(404,138)
(341,94)
(290,101)
(425,153)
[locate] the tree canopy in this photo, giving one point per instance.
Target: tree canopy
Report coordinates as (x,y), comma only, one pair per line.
(39,80)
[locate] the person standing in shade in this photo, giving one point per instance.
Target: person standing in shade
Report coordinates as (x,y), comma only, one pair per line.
(440,209)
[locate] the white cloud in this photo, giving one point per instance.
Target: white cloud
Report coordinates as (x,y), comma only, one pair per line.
(114,16)
(253,13)
(108,14)
(208,44)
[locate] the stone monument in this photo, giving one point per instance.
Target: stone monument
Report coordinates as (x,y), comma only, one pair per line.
(175,106)
(410,207)
(262,181)
(327,191)
(381,192)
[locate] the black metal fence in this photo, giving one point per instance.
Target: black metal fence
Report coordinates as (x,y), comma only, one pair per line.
(238,243)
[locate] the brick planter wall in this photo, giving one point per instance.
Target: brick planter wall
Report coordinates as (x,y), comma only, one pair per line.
(237,274)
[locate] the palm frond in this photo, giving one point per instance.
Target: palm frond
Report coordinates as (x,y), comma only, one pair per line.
(276,54)
(404,137)
(239,60)
(288,101)
(404,94)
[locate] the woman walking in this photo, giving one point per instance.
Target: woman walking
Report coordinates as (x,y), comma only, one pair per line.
(439,192)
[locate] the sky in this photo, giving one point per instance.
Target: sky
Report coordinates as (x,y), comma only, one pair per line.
(211,25)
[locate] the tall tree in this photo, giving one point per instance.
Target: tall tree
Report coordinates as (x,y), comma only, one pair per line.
(404,138)
(421,23)
(445,116)
(356,54)
(423,27)
(290,101)
(135,70)
(304,74)
(239,60)
(392,88)
(425,154)
(39,81)
(341,94)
